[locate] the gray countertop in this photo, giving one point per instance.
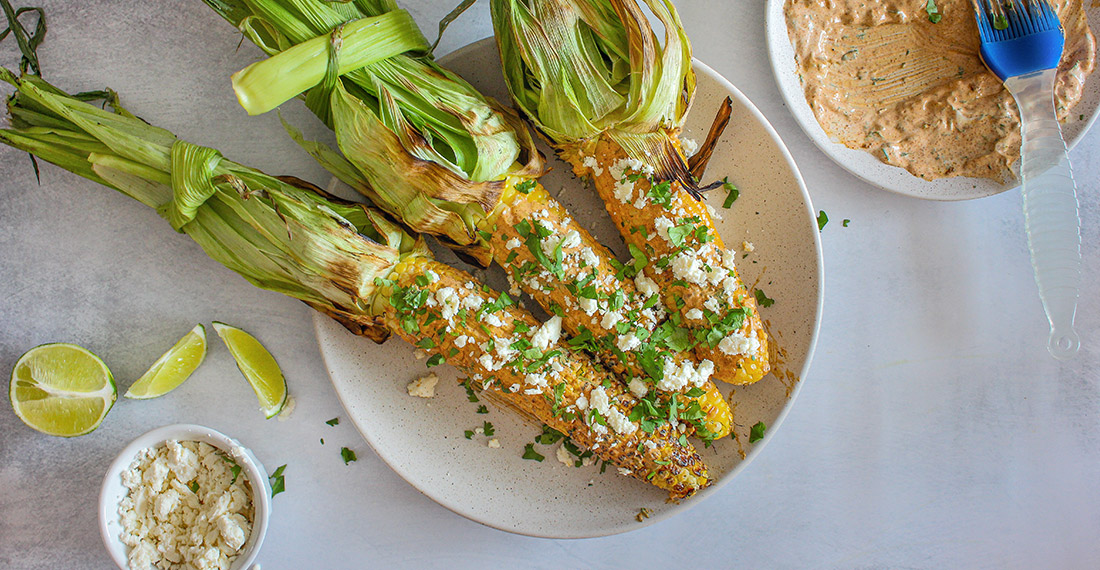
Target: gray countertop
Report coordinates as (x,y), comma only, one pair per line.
(933,431)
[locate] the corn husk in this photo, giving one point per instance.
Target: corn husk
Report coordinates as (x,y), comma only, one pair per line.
(278,233)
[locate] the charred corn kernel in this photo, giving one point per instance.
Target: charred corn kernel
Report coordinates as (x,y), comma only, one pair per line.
(687,259)
(617,317)
(527,364)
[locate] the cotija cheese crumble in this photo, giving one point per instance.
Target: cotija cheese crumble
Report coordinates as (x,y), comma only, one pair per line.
(188,505)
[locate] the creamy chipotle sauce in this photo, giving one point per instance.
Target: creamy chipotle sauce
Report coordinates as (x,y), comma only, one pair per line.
(881,77)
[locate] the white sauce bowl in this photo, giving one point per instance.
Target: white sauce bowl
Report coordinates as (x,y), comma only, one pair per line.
(112,493)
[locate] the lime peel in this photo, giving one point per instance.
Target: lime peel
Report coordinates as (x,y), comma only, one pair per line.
(258,367)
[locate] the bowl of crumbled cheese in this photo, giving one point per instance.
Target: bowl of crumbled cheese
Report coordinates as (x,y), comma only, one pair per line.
(184,496)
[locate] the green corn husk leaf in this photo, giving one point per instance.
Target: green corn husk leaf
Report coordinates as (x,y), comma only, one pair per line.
(267,84)
(278,233)
(580,69)
(430,148)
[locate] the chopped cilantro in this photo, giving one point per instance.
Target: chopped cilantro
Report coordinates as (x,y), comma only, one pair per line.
(194,486)
(278,485)
(333,421)
(661,194)
(732,193)
(469,434)
(482,409)
(844,222)
(530,453)
(526,186)
(233,468)
(676,234)
(347,455)
(435,360)
(549,436)
(1000,22)
(762,299)
(822,219)
(756,433)
(425,343)
(934,15)
(488,428)
(470,395)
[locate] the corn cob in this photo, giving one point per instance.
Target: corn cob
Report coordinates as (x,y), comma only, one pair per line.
(388,167)
(622,132)
(610,309)
(505,350)
(350,262)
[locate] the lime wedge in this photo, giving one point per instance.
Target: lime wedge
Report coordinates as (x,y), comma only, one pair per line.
(172,368)
(61,389)
(258,367)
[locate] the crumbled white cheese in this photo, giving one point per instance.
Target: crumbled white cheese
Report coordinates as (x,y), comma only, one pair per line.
(432,276)
(589,257)
(423,387)
(598,400)
(587,305)
(461,341)
(590,163)
(473,302)
(747,246)
(564,456)
(610,318)
(493,443)
(638,388)
(547,334)
(714,213)
(184,508)
(492,320)
(646,286)
(663,224)
(513,243)
(624,191)
(712,305)
(737,344)
(582,403)
(620,423)
(571,240)
(690,268)
(449,301)
(694,314)
(676,378)
(690,147)
(625,471)
(627,342)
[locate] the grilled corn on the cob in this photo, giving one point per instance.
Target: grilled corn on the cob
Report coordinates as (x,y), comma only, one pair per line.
(596,81)
(391,158)
(352,263)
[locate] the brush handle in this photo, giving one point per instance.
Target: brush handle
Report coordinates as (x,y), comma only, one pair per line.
(1051,218)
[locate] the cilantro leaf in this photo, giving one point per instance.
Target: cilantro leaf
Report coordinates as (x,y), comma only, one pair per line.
(333,421)
(278,485)
(488,428)
(347,455)
(934,15)
(822,219)
(762,299)
(530,453)
(732,193)
(756,433)
(435,360)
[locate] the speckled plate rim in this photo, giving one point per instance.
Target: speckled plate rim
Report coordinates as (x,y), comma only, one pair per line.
(869,169)
(346,389)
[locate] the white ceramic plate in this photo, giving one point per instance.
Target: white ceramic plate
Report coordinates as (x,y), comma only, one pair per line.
(870,169)
(422,440)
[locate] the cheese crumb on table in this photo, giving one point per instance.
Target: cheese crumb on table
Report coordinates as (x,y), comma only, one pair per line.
(184,508)
(423,387)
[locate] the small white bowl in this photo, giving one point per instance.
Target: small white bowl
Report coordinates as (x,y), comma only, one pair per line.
(112,493)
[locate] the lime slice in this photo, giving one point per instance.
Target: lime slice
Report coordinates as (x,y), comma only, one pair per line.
(61,389)
(172,368)
(258,367)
